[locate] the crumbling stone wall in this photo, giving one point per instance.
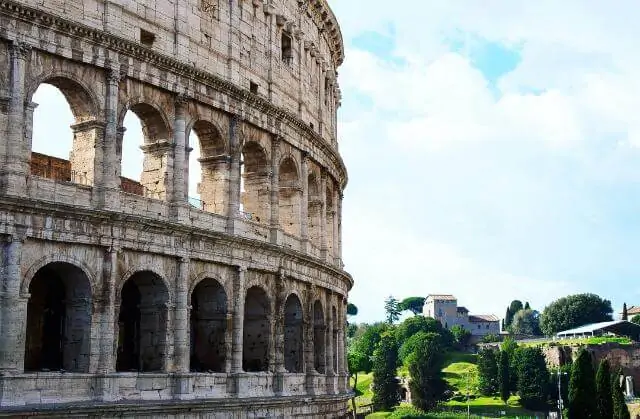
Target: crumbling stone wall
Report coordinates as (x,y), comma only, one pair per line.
(117,289)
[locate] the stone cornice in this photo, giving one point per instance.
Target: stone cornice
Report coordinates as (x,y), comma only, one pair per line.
(99,217)
(166,62)
(328,24)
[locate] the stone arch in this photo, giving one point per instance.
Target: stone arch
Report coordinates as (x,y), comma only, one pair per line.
(257,330)
(81,98)
(319,330)
(142,323)
(314,209)
(293,334)
(145,267)
(87,130)
(255,179)
(157,148)
(59,312)
(213,187)
(60,258)
(209,308)
(290,196)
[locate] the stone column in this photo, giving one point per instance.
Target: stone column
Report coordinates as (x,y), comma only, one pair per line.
(304,205)
(323,215)
(334,237)
(181,318)
(235,148)
(228,343)
(106,361)
(338,250)
(16,164)
(239,293)
(107,187)
(28,129)
(180,141)
(181,347)
(275,190)
(309,349)
(329,333)
(276,349)
(13,307)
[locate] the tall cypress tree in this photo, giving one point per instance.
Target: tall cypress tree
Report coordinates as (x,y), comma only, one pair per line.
(386,388)
(604,397)
(625,316)
(504,376)
(582,388)
(507,319)
(620,410)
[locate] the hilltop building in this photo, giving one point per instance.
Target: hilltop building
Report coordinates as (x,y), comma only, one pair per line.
(445,309)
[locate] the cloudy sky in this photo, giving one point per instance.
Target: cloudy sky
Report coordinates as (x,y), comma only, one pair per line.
(493,150)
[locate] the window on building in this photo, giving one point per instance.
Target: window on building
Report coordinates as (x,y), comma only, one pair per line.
(286,47)
(253,87)
(147,38)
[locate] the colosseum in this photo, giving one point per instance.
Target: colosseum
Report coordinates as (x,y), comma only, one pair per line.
(123,296)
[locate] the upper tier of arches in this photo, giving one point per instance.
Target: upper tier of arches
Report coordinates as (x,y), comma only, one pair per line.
(284,51)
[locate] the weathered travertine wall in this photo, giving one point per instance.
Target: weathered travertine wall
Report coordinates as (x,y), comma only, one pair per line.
(115,292)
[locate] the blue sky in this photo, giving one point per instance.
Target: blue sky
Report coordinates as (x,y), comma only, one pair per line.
(493,150)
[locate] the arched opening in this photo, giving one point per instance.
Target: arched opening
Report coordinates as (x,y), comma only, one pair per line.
(314,210)
(319,328)
(58,320)
(334,336)
(290,195)
(293,335)
(255,194)
(142,324)
(209,169)
(256,331)
(208,327)
(331,212)
(63,130)
(145,152)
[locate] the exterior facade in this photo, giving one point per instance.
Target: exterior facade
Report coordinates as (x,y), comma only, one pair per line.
(118,297)
(445,309)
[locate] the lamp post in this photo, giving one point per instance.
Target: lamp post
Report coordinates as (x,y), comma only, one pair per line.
(560,402)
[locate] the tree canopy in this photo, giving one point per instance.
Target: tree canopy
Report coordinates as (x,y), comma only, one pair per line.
(415,324)
(412,304)
(603,390)
(526,322)
(636,319)
(352,309)
(574,311)
(386,388)
(425,367)
(582,388)
(533,377)
(392,309)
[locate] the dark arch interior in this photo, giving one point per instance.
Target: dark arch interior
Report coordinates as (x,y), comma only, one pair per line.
(208,327)
(58,320)
(319,328)
(288,175)
(293,335)
(256,331)
(254,159)
(334,336)
(142,324)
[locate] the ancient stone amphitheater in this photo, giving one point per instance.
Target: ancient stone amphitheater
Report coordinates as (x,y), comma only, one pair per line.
(119,297)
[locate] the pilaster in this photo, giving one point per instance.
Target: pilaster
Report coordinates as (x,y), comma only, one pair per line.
(108,156)
(274,203)
(13,306)
(235,148)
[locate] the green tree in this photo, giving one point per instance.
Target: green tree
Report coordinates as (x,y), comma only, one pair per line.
(507,320)
(625,315)
(386,389)
(461,336)
(574,311)
(391,309)
(415,324)
(509,346)
(533,377)
(425,369)
(409,346)
(367,339)
(525,322)
(620,410)
(503,375)
(514,307)
(488,381)
(358,362)
(604,396)
(527,306)
(413,304)
(636,319)
(352,309)
(582,388)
